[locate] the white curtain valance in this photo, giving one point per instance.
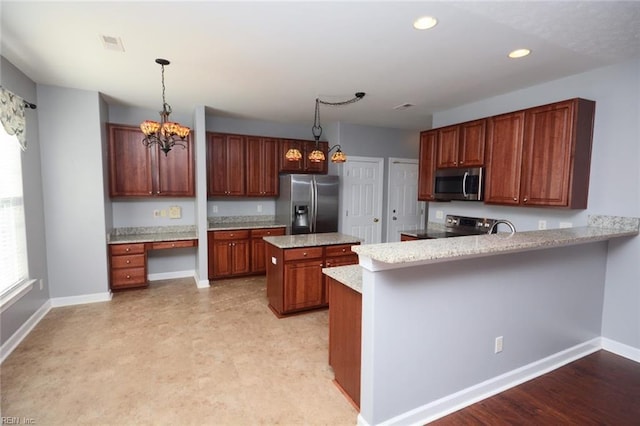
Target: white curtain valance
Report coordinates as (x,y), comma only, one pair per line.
(12,115)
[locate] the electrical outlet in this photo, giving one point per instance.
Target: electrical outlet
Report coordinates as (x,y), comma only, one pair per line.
(498,345)
(163,213)
(156,213)
(565,225)
(439,214)
(259,207)
(215,209)
(542,224)
(175,212)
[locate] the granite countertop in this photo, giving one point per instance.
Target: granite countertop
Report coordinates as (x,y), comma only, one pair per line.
(149,234)
(311,240)
(228,223)
(431,227)
(350,275)
(399,255)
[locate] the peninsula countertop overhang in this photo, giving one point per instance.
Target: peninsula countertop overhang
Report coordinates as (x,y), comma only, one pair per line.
(311,240)
(378,257)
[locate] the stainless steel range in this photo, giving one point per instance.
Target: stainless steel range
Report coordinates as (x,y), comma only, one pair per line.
(460,226)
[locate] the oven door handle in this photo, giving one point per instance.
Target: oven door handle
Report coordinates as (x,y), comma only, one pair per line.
(464,184)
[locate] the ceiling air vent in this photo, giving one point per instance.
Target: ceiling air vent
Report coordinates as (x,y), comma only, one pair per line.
(112,43)
(403,106)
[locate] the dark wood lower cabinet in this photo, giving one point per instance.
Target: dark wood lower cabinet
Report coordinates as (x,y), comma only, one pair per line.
(345,336)
(295,281)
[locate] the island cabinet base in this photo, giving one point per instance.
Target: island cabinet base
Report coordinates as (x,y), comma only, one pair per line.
(295,282)
(345,318)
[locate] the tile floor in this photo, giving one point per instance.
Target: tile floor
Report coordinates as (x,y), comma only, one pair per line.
(173,354)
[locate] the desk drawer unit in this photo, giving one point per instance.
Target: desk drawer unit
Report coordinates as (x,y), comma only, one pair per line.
(128,264)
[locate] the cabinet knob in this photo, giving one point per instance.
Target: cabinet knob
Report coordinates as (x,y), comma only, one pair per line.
(128,276)
(525,199)
(304,254)
(231,235)
(127,249)
(128,261)
(344,249)
(462,162)
(173,245)
(150,192)
(515,199)
(157,192)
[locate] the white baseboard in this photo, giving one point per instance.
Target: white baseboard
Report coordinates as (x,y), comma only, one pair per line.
(57,302)
(24,330)
(456,401)
(621,349)
(203,283)
(171,275)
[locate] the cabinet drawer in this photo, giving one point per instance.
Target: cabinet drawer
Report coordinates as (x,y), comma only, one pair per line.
(231,235)
(267,232)
(302,253)
(128,276)
(117,249)
(172,244)
(128,261)
(339,250)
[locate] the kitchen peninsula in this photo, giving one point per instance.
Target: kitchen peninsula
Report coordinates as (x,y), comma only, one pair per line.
(432,311)
(295,281)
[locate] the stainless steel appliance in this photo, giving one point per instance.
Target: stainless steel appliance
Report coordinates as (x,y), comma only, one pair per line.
(308,203)
(459,184)
(460,226)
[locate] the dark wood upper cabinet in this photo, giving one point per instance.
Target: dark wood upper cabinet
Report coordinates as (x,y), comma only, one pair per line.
(541,156)
(139,171)
(427,165)
(225,165)
(262,166)
(461,145)
(304,165)
(556,156)
(504,156)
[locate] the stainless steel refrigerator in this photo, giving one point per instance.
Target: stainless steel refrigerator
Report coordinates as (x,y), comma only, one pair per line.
(308,203)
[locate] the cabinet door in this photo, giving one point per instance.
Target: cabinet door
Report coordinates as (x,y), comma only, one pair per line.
(504,158)
(447,155)
(472,140)
(258,248)
(220,262)
(175,171)
(547,155)
(286,165)
(262,166)
(225,164)
(427,165)
(240,257)
(130,169)
(303,285)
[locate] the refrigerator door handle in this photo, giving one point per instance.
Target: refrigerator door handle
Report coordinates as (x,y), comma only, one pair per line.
(314,205)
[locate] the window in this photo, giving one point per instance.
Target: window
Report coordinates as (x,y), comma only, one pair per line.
(13,245)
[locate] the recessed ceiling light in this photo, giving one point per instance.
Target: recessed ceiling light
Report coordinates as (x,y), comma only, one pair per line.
(425,23)
(519,53)
(112,43)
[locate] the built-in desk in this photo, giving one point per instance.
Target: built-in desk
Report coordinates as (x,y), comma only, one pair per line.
(128,248)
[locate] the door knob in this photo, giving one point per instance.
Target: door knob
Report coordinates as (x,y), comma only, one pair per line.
(375,219)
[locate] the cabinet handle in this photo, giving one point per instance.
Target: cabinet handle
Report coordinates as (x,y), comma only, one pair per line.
(328,264)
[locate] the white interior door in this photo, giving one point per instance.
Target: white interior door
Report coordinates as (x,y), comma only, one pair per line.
(405,212)
(362,198)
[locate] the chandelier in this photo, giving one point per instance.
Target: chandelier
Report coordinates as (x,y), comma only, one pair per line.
(166,133)
(317,156)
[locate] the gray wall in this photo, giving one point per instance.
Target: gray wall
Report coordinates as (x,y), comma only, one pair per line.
(429,331)
(73,188)
(15,316)
(614,187)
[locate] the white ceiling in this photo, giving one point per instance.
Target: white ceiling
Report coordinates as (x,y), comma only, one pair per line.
(270,60)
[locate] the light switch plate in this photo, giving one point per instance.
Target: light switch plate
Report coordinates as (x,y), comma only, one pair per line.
(439,214)
(175,212)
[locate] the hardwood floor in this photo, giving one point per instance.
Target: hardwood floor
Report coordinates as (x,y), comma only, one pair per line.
(600,389)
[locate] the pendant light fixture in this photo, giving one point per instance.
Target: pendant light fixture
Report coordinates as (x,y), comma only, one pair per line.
(166,134)
(317,156)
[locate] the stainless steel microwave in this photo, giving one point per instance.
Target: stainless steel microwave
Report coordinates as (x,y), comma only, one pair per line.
(459,184)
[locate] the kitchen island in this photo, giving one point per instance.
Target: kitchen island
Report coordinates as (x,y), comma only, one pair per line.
(295,282)
(448,322)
